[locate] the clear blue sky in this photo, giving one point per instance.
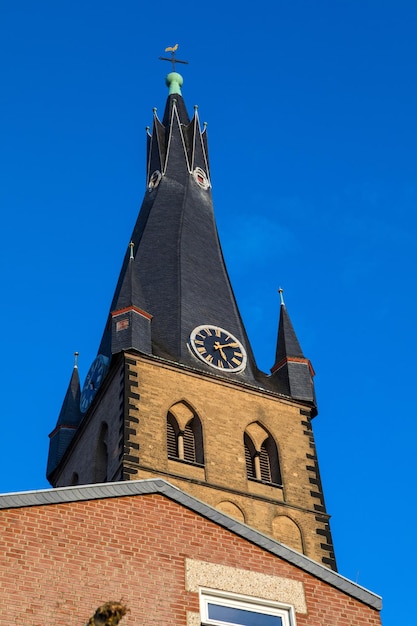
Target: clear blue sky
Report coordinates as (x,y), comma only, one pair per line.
(311,110)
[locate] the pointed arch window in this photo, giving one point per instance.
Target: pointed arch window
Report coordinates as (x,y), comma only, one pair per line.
(261,456)
(186,443)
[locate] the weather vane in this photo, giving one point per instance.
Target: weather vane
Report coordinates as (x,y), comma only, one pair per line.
(172,59)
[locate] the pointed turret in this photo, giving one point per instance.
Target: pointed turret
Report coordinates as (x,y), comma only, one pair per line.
(67,423)
(292,371)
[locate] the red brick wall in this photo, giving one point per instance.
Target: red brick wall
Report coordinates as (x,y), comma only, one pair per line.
(59,562)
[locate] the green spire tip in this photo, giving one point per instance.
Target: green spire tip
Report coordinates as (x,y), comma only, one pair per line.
(174,82)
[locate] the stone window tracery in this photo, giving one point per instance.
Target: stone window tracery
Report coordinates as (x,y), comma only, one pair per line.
(184,435)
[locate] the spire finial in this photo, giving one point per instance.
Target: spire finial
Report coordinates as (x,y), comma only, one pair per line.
(131,246)
(281,297)
(76,359)
(173,80)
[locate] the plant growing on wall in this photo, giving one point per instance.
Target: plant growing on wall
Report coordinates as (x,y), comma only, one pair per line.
(108,614)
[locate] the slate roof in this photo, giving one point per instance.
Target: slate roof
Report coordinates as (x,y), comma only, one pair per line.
(84,493)
(287,342)
(178,259)
(292,372)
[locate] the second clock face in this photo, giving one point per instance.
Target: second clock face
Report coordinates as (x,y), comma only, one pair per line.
(93,381)
(218,348)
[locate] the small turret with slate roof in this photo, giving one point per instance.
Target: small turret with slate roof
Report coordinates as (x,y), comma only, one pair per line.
(292,371)
(129,325)
(68,421)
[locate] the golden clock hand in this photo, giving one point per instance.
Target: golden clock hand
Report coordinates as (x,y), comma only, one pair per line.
(217,346)
(234,344)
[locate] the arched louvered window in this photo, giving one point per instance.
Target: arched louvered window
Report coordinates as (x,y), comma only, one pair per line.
(262,463)
(185,445)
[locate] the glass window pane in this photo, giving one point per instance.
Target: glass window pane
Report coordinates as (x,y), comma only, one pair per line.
(242,616)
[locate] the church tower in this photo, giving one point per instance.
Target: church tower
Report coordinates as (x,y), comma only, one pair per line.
(174,391)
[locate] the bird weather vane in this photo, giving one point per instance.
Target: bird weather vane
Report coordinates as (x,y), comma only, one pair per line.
(172,59)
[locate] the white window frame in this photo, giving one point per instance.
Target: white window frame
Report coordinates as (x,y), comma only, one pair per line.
(258,605)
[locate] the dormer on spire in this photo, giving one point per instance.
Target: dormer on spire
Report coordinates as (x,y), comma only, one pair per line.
(292,371)
(129,324)
(68,420)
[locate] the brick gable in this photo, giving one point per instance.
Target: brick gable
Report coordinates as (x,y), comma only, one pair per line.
(60,561)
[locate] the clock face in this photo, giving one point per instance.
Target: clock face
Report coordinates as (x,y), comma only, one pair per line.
(218,348)
(93,380)
(154,180)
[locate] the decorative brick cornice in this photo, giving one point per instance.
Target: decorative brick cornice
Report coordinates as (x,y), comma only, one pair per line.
(132,308)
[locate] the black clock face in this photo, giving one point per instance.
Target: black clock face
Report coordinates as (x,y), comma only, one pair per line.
(218,348)
(93,381)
